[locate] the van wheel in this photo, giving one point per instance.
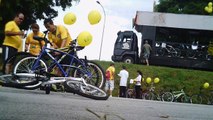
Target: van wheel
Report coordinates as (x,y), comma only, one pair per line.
(128,60)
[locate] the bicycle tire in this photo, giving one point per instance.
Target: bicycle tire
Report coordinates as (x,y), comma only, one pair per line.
(167,97)
(88,91)
(178,52)
(130,93)
(190,53)
(185,99)
(24,65)
(97,77)
(161,52)
(196,99)
(148,96)
(14,58)
(18,80)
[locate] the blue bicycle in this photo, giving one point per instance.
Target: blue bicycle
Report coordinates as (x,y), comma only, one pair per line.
(80,76)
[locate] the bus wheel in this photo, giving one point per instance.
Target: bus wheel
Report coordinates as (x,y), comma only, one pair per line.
(128,59)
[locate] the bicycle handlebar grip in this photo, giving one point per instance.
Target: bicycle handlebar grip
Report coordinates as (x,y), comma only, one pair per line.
(38,38)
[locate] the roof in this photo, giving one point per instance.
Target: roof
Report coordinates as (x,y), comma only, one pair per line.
(185,21)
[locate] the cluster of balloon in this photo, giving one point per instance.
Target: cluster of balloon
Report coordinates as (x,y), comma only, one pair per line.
(70,18)
(94,17)
(208,8)
(84,38)
(149,80)
(206,85)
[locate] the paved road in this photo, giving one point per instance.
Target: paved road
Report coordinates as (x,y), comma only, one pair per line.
(16,104)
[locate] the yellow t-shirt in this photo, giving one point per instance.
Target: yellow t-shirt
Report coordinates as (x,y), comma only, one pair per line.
(112,72)
(61,33)
(13,41)
(35,46)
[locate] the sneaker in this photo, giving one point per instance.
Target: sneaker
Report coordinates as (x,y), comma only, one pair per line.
(110,96)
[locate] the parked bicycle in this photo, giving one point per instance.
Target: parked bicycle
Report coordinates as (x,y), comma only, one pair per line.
(147,94)
(202,98)
(197,51)
(176,96)
(169,50)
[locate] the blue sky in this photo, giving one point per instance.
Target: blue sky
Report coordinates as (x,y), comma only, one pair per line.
(119,14)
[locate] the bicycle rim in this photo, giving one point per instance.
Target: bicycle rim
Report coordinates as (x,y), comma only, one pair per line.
(18,80)
(167,96)
(196,99)
(88,91)
(25,65)
(92,73)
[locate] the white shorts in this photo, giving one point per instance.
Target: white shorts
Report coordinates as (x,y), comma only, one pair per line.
(109,85)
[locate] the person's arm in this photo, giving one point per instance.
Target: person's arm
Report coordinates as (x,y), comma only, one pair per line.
(10,33)
(63,43)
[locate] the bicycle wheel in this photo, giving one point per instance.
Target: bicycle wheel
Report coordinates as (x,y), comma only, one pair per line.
(149,96)
(185,99)
(92,73)
(25,66)
(88,90)
(177,52)
(191,53)
(161,51)
(168,97)
(18,80)
(130,93)
(12,60)
(196,99)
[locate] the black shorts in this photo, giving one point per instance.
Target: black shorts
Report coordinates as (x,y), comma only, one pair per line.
(7,52)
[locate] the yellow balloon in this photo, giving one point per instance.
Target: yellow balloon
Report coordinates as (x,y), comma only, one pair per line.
(148,80)
(210,10)
(210,4)
(84,38)
(70,18)
(206,9)
(205,85)
(94,17)
(156,80)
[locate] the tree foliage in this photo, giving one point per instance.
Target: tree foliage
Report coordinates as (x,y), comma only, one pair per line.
(32,9)
(182,6)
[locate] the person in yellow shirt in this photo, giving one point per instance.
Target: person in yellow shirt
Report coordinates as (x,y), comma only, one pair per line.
(13,39)
(59,37)
(34,46)
(109,85)
(58,34)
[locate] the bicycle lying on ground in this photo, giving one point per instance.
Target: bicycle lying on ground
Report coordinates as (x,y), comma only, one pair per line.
(79,76)
(176,96)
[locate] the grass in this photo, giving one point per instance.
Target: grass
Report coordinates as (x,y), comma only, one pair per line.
(170,78)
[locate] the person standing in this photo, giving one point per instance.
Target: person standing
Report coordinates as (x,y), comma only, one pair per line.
(137,81)
(13,39)
(109,85)
(34,46)
(124,75)
(146,52)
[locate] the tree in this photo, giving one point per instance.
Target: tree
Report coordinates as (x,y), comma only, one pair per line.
(32,9)
(182,6)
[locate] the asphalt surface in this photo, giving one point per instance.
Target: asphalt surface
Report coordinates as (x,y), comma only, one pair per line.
(17,104)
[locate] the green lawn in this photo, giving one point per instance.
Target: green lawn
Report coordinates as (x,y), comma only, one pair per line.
(170,78)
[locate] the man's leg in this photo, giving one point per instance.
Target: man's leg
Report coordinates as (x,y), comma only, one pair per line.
(147,62)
